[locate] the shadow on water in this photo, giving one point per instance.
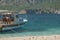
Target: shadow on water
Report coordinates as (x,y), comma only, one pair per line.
(37,23)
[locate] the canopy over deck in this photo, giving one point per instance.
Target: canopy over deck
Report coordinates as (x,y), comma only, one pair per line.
(4,10)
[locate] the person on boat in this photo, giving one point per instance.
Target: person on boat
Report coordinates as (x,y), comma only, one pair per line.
(8,20)
(4,20)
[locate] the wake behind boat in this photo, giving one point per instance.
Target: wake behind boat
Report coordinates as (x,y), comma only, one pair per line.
(10,20)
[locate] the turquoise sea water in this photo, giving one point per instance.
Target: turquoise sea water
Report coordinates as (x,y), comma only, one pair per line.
(38,25)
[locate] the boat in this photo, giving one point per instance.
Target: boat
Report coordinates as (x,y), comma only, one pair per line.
(10,20)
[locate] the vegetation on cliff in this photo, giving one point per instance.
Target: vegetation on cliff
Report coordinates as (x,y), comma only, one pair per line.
(29,4)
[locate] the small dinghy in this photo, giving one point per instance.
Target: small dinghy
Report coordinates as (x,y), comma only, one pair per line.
(9,21)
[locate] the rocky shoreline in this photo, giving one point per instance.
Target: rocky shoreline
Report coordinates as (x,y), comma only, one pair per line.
(34,11)
(41,11)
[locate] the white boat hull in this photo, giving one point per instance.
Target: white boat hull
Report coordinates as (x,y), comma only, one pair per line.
(9,28)
(13,26)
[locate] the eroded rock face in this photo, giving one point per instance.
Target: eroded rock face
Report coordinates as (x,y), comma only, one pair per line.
(22,12)
(24,2)
(19,1)
(28,4)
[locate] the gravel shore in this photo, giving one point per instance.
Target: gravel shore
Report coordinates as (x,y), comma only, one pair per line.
(52,37)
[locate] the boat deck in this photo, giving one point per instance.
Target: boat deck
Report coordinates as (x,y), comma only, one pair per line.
(1,23)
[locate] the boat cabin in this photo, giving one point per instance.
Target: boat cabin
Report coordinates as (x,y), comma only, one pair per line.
(7,18)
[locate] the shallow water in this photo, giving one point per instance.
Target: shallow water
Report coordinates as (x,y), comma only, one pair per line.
(44,24)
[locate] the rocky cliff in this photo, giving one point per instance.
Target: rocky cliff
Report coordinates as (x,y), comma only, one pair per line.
(26,4)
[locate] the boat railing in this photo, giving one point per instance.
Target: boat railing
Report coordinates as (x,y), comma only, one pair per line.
(5,23)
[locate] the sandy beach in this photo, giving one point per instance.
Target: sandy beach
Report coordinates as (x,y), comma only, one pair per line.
(52,37)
